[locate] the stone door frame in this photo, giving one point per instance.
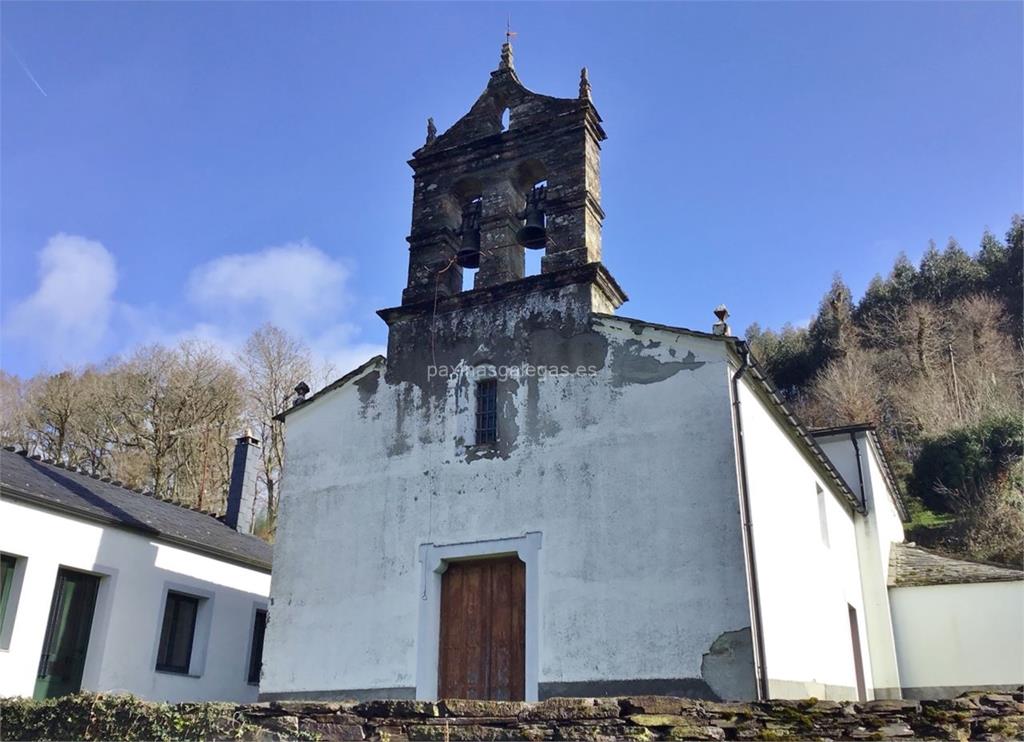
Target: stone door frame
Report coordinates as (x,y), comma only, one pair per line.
(434,561)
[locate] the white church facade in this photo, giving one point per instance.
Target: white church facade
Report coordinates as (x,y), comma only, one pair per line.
(533,497)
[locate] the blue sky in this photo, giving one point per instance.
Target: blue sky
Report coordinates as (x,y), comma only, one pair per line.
(184,169)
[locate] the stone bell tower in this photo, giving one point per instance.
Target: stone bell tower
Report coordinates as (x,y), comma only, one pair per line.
(478,185)
(479,176)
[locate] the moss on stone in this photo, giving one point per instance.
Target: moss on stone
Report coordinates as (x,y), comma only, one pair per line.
(660,720)
(696,732)
(775,734)
(122,717)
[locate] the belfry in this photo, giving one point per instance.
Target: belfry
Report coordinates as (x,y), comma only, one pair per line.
(533,184)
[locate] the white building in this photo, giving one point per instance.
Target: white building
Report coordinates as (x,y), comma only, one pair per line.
(533,497)
(107,589)
(957,624)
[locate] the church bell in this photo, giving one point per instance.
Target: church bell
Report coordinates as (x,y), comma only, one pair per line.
(534,234)
(468,255)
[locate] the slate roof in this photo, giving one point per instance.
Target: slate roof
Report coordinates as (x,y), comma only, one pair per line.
(910,565)
(54,487)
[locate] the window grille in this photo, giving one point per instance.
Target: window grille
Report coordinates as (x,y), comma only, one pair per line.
(486,411)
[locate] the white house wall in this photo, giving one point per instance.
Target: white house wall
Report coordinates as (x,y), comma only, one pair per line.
(954,638)
(805,585)
(876,532)
(627,479)
(135,574)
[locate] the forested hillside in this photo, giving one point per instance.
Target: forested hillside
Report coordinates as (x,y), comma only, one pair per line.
(163,420)
(933,356)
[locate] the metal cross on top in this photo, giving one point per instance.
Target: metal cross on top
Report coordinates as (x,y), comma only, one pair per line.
(509,33)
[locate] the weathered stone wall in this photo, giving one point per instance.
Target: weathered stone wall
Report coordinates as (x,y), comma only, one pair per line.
(971,716)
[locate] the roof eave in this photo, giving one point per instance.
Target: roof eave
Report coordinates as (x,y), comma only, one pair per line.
(154,533)
(336,384)
(802,432)
(782,411)
(872,433)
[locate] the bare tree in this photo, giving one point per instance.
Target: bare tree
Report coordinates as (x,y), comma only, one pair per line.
(54,403)
(846,390)
(964,369)
(273,362)
(14,408)
(174,408)
(92,436)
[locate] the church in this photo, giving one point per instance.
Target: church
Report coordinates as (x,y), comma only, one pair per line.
(533,496)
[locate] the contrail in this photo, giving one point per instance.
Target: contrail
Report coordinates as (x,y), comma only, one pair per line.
(25,68)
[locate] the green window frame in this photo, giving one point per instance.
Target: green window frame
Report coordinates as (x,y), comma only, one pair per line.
(7,565)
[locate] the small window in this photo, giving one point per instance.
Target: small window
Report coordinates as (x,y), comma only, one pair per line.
(822,515)
(259,628)
(178,631)
(7,565)
(486,411)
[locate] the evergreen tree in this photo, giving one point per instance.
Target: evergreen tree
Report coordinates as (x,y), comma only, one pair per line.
(884,298)
(948,275)
(832,331)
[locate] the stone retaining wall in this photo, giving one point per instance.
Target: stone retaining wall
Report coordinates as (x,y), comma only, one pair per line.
(971,716)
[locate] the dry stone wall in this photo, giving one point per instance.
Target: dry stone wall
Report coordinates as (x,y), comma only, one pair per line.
(972,716)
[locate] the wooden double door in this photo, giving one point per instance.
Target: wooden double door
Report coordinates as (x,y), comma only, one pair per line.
(483,630)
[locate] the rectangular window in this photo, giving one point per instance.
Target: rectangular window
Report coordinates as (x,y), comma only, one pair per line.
(179,628)
(259,628)
(7,564)
(486,411)
(822,515)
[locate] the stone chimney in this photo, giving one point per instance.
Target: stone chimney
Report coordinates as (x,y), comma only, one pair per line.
(241,513)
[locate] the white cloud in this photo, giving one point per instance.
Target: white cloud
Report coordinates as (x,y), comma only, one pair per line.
(73,316)
(296,286)
(336,352)
(67,318)
(293,285)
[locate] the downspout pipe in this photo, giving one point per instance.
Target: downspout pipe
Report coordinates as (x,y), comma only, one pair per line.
(760,670)
(860,471)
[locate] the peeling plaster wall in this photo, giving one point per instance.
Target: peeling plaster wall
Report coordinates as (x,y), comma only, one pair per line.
(875,535)
(629,475)
(952,638)
(805,585)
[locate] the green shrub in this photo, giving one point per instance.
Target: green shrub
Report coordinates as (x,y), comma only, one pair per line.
(964,467)
(89,716)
